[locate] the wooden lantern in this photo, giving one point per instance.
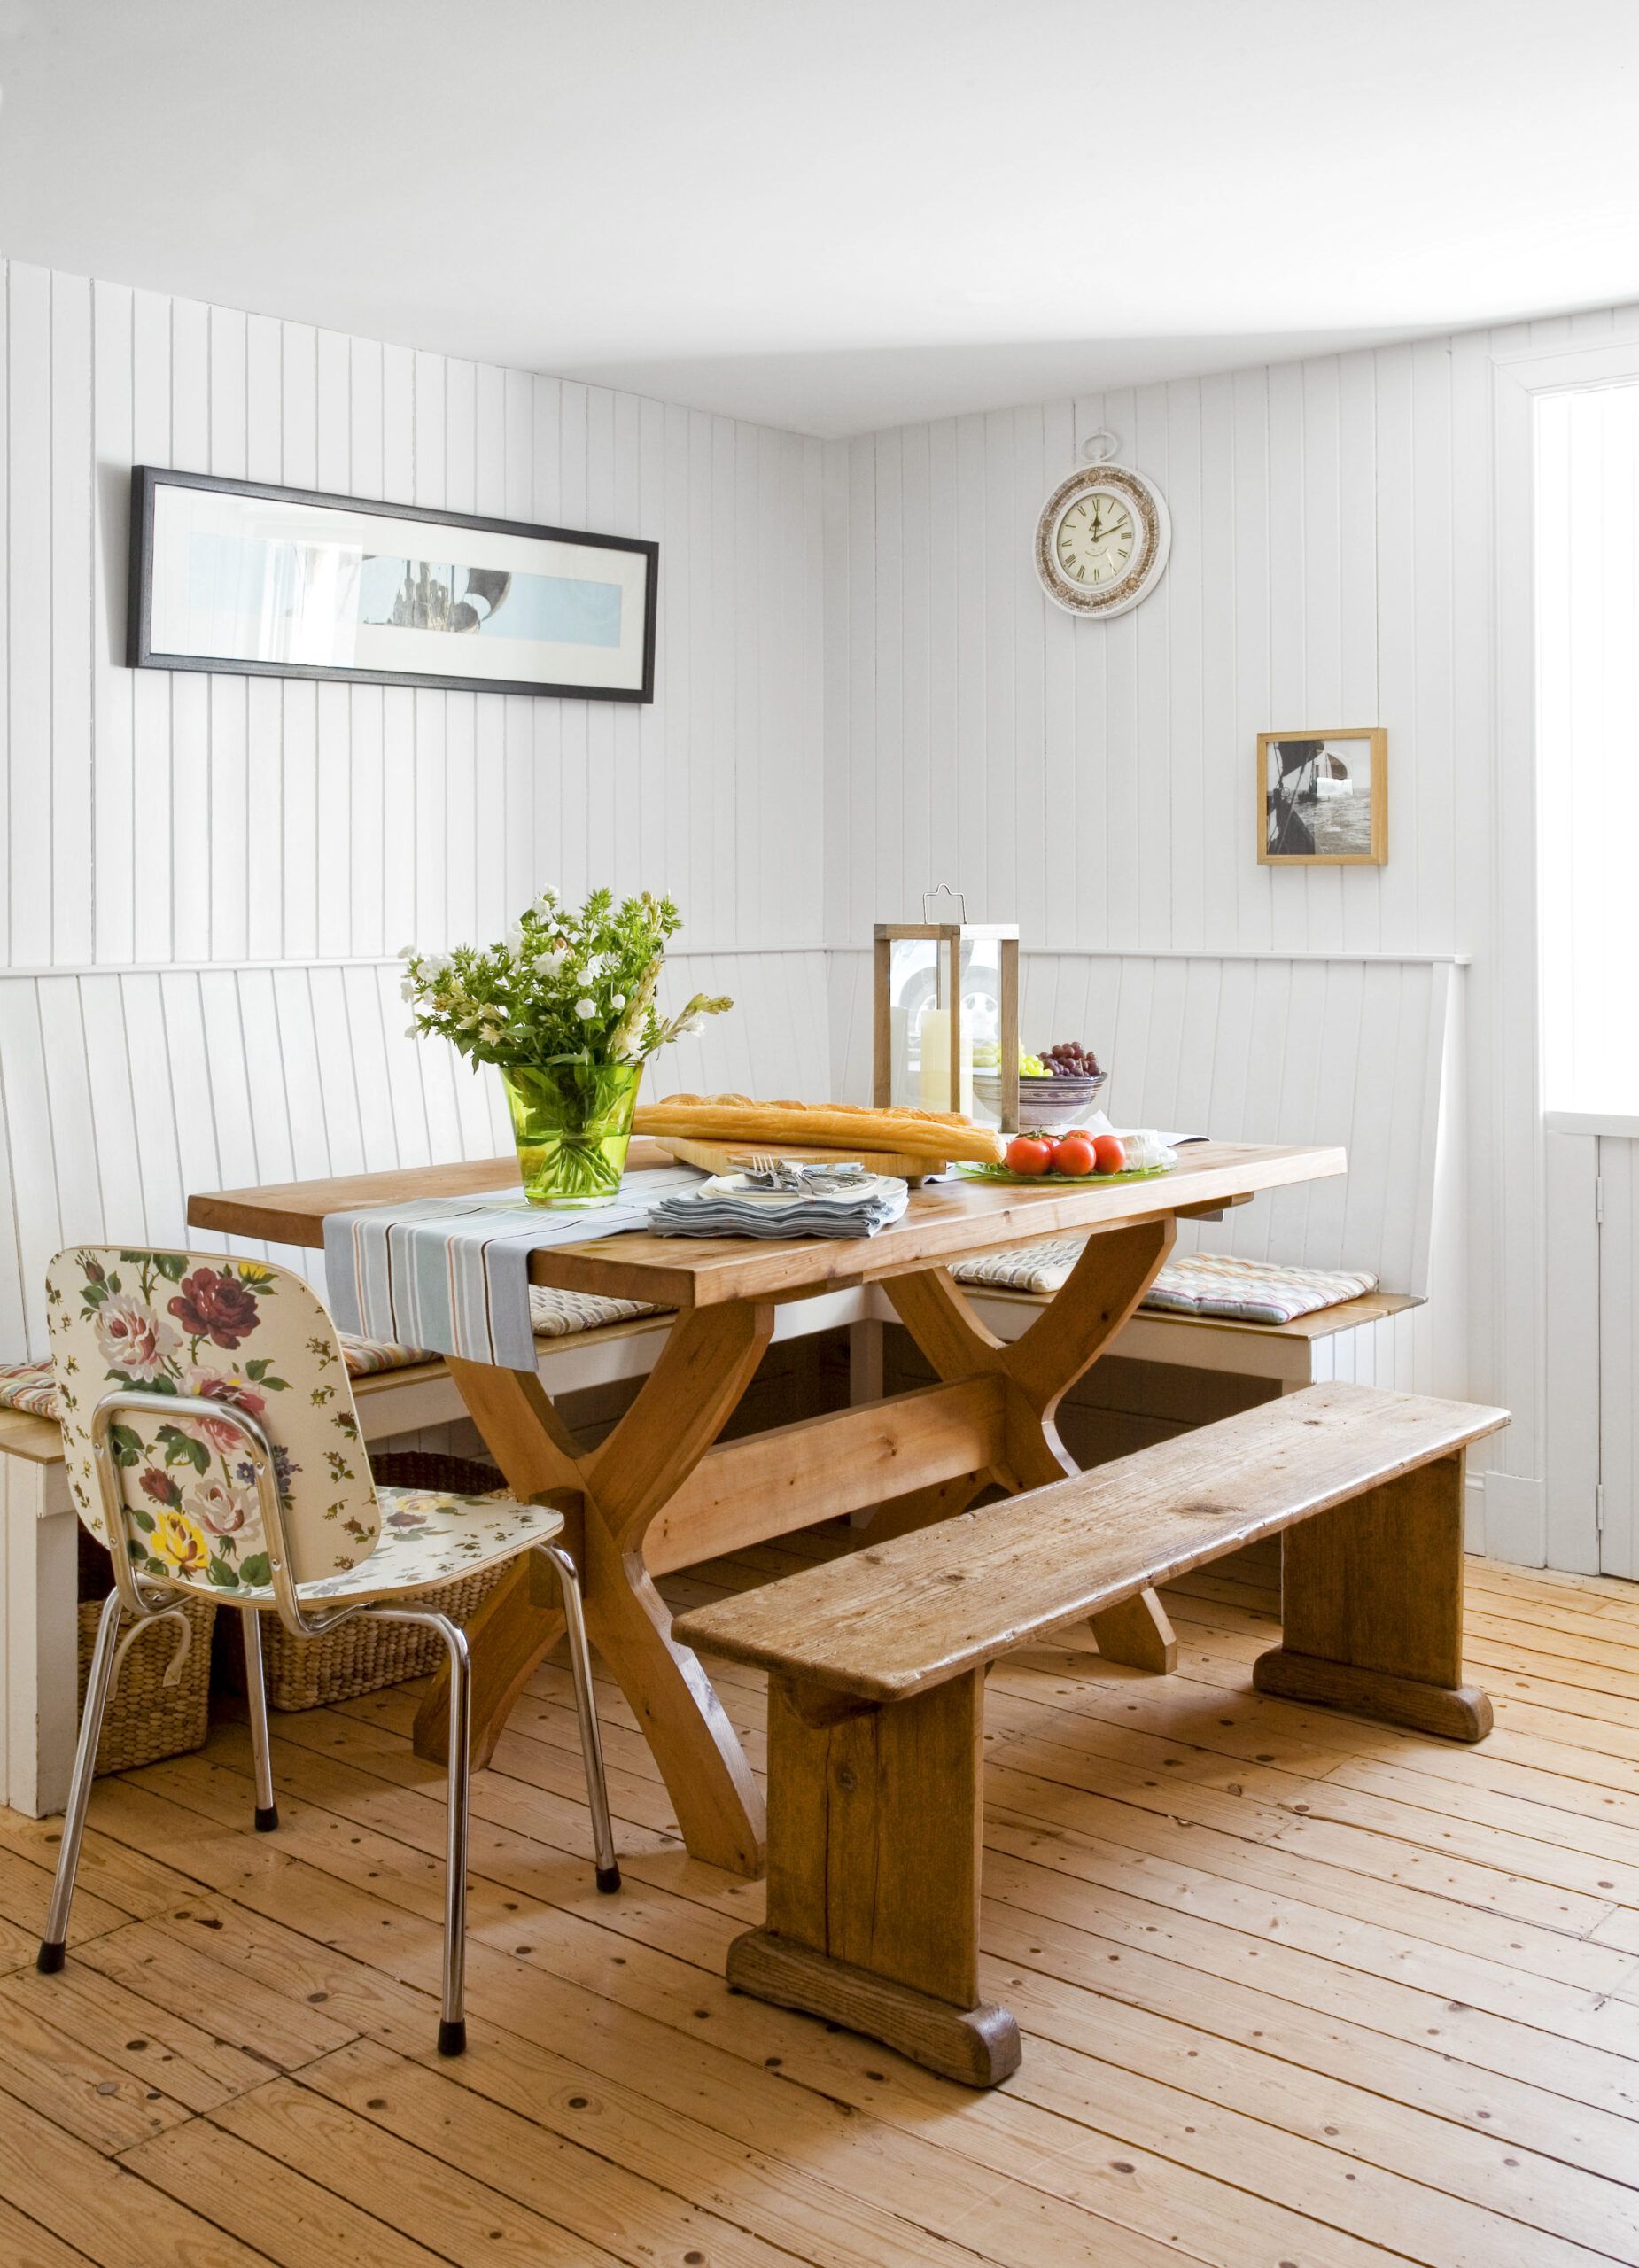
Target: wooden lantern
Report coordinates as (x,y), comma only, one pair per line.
(945,1016)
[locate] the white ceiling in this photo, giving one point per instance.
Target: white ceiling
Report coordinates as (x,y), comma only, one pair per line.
(834,214)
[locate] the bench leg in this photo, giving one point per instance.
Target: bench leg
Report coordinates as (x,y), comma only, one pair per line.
(873,1838)
(1372,1609)
(1137,1632)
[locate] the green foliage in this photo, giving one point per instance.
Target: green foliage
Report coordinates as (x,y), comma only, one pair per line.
(124,1446)
(256,1569)
(563,986)
(180,1449)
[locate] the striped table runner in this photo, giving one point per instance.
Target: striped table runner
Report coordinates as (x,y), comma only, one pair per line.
(452,1273)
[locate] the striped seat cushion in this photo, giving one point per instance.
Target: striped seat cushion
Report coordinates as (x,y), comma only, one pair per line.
(560,1315)
(1206,1284)
(30,1386)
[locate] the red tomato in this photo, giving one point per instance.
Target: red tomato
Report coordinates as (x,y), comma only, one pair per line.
(1073,1153)
(1110,1153)
(1026,1155)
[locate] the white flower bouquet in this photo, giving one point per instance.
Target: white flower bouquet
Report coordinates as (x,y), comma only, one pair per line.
(564,1006)
(561,987)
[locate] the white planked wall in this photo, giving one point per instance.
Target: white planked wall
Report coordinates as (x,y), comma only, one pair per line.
(232,819)
(1334,561)
(241,850)
(858,680)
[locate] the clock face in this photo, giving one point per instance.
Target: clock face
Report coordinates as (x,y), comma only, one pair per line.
(1102,540)
(1095,540)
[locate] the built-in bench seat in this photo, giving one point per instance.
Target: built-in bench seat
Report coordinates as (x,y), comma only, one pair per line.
(1217,1284)
(876,1665)
(1280,1316)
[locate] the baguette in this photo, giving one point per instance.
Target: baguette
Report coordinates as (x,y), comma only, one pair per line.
(940,1135)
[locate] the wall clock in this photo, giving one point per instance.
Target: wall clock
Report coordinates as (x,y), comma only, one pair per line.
(1102,540)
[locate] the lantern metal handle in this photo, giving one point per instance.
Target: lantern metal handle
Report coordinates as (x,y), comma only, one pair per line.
(944,890)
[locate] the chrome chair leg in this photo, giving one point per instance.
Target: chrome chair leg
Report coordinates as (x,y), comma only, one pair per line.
(256,1701)
(586,1709)
(452,2020)
(53,1945)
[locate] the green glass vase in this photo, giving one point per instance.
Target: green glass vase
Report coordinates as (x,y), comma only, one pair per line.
(572,1122)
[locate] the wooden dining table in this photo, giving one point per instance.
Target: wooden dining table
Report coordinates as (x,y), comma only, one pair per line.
(662,1492)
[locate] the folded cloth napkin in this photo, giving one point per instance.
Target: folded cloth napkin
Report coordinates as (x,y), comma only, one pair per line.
(452,1273)
(1147,1152)
(730,1205)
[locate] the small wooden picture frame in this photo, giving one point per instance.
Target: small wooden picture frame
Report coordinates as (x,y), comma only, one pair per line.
(1323,797)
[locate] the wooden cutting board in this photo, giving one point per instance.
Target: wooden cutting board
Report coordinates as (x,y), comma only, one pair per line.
(728,1157)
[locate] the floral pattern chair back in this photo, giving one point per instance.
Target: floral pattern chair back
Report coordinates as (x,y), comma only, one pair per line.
(222,1330)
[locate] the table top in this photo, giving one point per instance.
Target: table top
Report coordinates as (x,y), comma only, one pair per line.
(944,1221)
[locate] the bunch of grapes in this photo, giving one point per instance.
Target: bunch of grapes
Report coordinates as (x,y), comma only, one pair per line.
(1070,1060)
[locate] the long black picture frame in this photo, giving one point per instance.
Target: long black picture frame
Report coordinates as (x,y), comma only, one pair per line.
(141,654)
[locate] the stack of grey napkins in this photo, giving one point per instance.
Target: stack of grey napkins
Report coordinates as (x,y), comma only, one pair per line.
(816,1204)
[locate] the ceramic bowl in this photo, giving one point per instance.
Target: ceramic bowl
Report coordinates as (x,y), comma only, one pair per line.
(1046,1106)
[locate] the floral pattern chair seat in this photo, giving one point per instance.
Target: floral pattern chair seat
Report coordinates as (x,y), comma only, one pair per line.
(427,1536)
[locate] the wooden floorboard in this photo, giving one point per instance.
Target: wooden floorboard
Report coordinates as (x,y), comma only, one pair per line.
(1295,1989)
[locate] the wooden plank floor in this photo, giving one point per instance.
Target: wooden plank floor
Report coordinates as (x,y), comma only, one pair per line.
(1294,1990)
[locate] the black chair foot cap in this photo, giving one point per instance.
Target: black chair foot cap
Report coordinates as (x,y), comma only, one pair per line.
(51,1958)
(609,1878)
(267,1818)
(452,2037)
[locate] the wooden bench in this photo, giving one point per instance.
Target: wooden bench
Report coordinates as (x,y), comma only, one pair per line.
(876,1665)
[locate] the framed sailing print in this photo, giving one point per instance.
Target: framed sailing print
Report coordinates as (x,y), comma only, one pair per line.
(286,582)
(1323,797)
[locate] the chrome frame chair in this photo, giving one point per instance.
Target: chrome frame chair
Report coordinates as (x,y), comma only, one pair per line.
(146,1601)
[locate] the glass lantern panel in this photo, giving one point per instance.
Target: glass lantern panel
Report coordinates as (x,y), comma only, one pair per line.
(982,1028)
(919,980)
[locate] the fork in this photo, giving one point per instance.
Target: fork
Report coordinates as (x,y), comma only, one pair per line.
(772,1172)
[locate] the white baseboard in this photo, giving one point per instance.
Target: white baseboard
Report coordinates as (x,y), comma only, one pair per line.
(1506,1517)
(1474,1514)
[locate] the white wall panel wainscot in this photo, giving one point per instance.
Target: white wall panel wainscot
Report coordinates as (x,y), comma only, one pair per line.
(1362,1051)
(121,1091)
(1593,1341)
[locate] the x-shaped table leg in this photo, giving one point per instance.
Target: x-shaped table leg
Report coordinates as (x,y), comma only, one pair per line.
(1107,1283)
(609,1497)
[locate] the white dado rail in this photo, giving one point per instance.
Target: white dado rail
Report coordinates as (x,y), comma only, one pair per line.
(122,1091)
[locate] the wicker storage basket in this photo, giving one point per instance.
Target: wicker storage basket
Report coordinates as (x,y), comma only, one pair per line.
(146,1719)
(365,1653)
